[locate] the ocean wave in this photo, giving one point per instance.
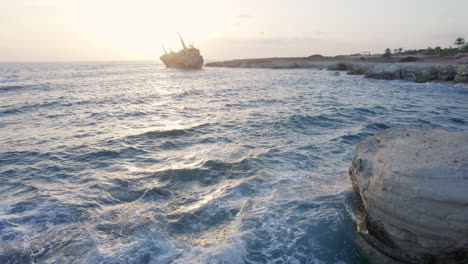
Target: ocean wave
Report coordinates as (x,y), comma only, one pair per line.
(307,124)
(312,121)
(366,131)
(135,163)
(106,154)
(33,107)
(124,194)
(13,87)
(24,157)
(171,133)
(374,127)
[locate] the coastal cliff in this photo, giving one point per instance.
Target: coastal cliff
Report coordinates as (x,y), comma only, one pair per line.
(454,71)
(412,185)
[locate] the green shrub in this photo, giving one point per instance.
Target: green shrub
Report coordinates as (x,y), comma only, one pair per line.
(409,59)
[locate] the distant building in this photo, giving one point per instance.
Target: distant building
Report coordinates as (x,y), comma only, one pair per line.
(364,53)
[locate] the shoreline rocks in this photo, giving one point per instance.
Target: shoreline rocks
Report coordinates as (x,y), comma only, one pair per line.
(409,71)
(413,186)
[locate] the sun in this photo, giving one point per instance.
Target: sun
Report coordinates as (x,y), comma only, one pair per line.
(142,30)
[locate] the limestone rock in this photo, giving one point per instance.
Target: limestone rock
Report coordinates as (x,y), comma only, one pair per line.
(413,183)
(462,74)
(385,71)
(462,60)
(357,71)
(418,73)
(338,67)
(446,73)
(409,71)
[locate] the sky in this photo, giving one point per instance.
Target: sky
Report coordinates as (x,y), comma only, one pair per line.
(113,30)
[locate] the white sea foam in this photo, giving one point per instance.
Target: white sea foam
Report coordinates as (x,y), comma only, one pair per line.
(135,163)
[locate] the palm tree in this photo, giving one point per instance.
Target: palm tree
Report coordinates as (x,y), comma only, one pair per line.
(459,41)
(387,53)
(400,50)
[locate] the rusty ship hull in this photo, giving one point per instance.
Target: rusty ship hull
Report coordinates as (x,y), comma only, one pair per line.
(187,58)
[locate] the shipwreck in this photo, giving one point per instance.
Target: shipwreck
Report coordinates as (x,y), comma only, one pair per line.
(187,58)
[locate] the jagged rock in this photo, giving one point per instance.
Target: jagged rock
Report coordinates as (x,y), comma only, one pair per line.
(337,67)
(357,71)
(418,73)
(413,182)
(385,71)
(462,74)
(410,72)
(462,60)
(446,73)
(282,65)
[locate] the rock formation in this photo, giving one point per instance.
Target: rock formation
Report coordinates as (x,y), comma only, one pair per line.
(338,67)
(413,184)
(462,74)
(187,58)
(409,71)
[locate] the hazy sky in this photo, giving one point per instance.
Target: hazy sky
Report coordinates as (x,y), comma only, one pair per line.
(76,30)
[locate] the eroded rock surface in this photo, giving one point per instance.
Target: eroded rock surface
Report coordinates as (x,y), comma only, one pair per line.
(462,74)
(409,71)
(413,183)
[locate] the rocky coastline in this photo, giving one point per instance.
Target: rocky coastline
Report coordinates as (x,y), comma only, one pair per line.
(454,70)
(411,182)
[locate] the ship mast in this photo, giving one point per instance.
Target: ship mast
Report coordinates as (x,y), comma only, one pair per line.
(182,41)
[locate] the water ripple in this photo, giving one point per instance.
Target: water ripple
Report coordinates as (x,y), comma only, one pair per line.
(136,163)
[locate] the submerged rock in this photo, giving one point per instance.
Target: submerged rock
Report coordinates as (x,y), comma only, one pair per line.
(413,184)
(187,58)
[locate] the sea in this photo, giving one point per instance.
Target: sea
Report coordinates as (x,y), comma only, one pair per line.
(131,162)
